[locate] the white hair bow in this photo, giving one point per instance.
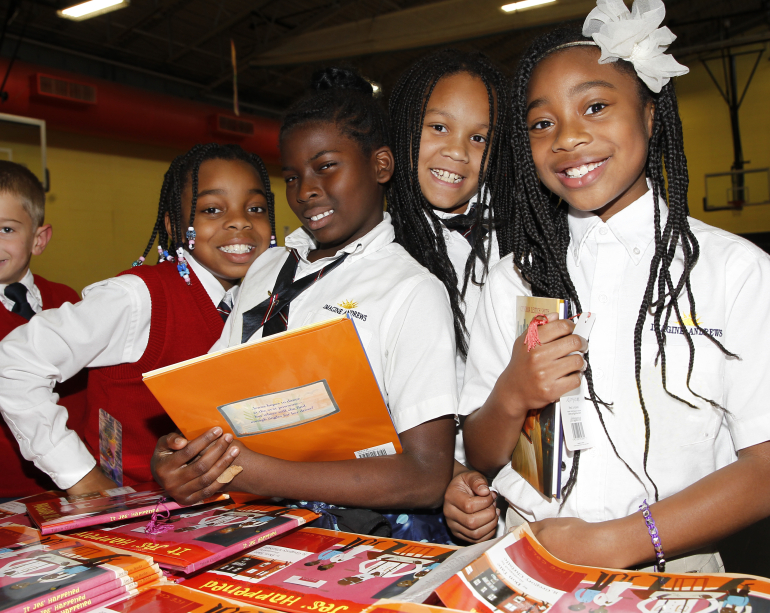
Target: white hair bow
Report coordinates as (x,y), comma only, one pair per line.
(634,36)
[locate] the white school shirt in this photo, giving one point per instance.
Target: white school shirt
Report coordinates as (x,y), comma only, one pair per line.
(609,263)
(33,293)
(401,312)
(458,250)
(111,325)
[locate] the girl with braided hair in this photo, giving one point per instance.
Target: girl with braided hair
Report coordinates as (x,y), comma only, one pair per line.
(343,260)
(674,404)
(215,216)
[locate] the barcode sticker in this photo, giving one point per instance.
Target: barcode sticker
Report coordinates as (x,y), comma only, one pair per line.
(379,450)
(575,432)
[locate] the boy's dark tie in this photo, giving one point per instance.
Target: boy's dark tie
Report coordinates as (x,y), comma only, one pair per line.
(224,309)
(18,293)
(273,313)
(465,225)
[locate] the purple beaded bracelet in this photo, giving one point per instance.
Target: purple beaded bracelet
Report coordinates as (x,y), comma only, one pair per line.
(660,563)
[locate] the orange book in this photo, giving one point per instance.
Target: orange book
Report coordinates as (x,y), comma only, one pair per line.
(308,394)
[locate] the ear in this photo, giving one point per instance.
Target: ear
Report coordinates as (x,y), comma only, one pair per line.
(384,164)
(42,236)
(167,223)
(649,117)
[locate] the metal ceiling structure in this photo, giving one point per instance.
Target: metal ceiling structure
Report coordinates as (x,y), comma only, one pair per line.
(182,47)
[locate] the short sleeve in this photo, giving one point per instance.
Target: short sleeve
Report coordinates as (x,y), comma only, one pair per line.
(492,335)
(419,354)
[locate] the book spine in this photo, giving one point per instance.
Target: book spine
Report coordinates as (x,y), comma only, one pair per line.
(56,525)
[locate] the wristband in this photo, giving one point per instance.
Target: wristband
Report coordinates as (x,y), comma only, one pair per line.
(660,560)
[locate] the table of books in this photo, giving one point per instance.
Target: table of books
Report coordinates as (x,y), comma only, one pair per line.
(131,550)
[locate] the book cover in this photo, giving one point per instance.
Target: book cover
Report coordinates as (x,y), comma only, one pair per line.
(38,570)
(517,575)
(316,569)
(56,513)
(317,401)
(198,537)
(171,598)
(537,456)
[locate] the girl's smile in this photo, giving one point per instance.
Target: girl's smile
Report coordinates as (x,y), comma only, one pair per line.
(589,131)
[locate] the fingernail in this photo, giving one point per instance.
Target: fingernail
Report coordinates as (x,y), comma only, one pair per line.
(217,431)
(498,512)
(484,490)
(228,437)
(180,441)
(234,451)
(585,365)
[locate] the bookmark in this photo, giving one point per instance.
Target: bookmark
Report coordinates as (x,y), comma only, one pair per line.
(576,433)
(111,447)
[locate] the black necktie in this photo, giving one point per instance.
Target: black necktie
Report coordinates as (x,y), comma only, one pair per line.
(273,312)
(465,224)
(18,293)
(223,309)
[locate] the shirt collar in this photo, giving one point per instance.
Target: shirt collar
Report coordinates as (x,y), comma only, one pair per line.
(633,227)
(34,297)
(471,203)
(380,236)
(210,283)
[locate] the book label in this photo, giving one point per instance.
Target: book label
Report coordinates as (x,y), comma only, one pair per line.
(111,446)
(379,450)
(576,432)
(279,410)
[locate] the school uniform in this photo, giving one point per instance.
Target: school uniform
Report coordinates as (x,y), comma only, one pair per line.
(400,310)
(459,248)
(20,477)
(609,263)
(145,318)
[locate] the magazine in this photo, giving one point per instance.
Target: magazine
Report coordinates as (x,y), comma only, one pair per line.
(322,569)
(56,513)
(537,456)
(199,536)
(170,598)
(37,571)
(517,575)
(318,401)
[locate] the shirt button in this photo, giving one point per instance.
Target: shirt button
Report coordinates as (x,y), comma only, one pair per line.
(603,298)
(603,231)
(599,374)
(637,251)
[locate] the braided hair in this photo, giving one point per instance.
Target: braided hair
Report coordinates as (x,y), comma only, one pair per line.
(343,97)
(185,169)
(539,233)
(417,226)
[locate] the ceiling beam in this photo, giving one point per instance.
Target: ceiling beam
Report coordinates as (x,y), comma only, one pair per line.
(161,11)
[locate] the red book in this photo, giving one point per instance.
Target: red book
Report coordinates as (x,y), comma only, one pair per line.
(55,513)
(38,571)
(198,537)
(323,570)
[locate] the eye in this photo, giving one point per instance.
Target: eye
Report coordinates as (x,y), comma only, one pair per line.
(327,165)
(6,230)
(595,108)
(257,209)
(289,180)
(438,127)
(478,138)
(211,210)
(541,125)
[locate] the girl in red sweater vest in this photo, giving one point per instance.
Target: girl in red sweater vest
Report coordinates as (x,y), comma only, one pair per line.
(145,318)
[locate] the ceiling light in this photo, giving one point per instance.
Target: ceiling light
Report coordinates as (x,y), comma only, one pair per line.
(92,8)
(524,4)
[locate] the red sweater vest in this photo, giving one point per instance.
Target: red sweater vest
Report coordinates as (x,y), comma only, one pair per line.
(184,324)
(20,477)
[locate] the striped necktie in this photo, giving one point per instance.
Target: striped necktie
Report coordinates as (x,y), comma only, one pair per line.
(273,312)
(223,308)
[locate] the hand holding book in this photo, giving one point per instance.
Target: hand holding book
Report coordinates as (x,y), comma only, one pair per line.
(189,471)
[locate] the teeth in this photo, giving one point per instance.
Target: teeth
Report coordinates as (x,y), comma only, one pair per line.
(240,248)
(322,215)
(446,176)
(581,171)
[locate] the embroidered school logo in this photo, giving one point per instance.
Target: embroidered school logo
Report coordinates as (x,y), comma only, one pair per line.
(690,324)
(346,307)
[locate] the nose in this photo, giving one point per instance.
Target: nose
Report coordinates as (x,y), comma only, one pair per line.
(570,134)
(456,148)
(238,219)
(306,190)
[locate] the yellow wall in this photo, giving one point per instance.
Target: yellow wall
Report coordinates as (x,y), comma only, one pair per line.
(708,139)
(103,202)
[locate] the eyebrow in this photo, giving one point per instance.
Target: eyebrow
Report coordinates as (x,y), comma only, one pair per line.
(450,116)
(222,192)
(577,89)
(320,153)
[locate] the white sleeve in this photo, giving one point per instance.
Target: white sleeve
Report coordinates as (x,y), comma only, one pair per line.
(420,376)
(492,335)
(111,325)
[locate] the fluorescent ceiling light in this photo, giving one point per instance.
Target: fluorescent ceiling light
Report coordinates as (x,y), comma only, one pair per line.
(524,4)
(92,8)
